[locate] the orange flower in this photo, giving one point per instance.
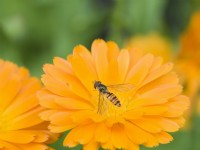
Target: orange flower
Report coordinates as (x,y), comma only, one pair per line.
(152,43)
(20,125)
(190,40)
(149,94)
(188,62)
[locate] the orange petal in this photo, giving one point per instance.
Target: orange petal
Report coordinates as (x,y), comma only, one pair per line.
(170,78)
(156,124)
(147,110)
(73,104)
(34,146)
(69,83)
(132,130)
(133,146)
(84,71)
(61,120)
(92,145)
(23,136)
(86,116)
(60,129)
(139,71)
(46,99)
(46,114)
(57,73)
(113,51)
(157,62)
(63,65)
(164,137)
(108,145)
(28,119)
(132,114)
(7,70)
(99,52)
(145,101)
(165,91)
(24,101)
(123,64)
(9,91)
(84,134)
(100,131)
(118,137)
(8,146)
(39,136)
(178,120)
(21,104)
(54,86)
(69,140)
(177,106)
(30,103)
(135,56)
(148,126)
(113,73)
(164,69)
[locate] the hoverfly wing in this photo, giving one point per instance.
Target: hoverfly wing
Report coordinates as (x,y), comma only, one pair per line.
(122,87)
(102,104)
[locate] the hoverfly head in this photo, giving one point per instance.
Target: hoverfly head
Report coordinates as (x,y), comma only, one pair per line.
(96,84)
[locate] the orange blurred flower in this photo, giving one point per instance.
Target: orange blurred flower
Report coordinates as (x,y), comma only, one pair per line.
(148,112)
(190,40)
(188,62)
(20,125)
(152,43)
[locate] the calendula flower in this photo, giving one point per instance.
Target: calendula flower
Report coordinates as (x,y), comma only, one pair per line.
(188,62)
(152,43)
(190,40)
(77,96)
(20,125)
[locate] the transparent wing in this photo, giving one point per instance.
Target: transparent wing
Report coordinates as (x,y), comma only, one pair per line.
(102,104)
(122,87)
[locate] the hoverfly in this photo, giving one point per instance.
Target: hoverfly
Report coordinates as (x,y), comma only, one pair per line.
(103,90)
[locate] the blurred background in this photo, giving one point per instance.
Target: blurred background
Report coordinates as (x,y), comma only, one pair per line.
(32,32)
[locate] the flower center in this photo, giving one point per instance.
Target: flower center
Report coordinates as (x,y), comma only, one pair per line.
(107,104)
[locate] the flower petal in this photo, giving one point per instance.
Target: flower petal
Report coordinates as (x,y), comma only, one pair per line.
(63,65)
(84,73)
(123,64)
(28,119)
(156,73)
(92,145)
(100,131)
(156,124)
(165,91)
(118,137)
(139,71)
(24,101)
(23,136)
(99,52)
(176,106)
(113,51)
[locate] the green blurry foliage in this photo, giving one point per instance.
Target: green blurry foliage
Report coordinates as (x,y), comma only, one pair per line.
(32,32)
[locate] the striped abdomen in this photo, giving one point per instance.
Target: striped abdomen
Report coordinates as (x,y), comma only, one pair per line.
(112,98)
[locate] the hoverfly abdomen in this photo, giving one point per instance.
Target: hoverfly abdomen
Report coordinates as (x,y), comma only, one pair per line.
(114,100)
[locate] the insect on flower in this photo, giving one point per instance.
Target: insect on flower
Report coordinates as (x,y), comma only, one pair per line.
(105,93)
(148,92)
